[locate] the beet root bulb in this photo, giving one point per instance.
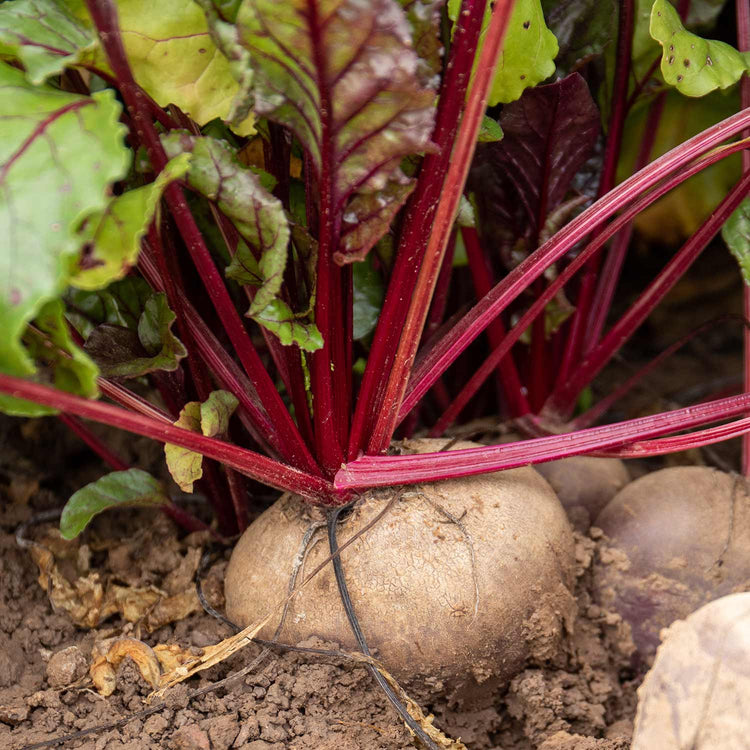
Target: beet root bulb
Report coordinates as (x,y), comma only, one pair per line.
(455,588)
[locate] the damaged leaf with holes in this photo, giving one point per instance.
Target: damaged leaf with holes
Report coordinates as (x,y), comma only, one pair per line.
(695,66)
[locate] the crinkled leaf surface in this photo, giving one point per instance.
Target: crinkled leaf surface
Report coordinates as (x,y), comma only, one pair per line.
(119,489)
(59,153)
(528,52)
(173,57)
(290,328)
(211,418)
(258,216)
(736,233)
(424,18)
(114,235)
(693,65)
(368,298)
(127,353)
(583,29)
(548,135)
(343,75)
(120,304)
(367,218)
(43,36)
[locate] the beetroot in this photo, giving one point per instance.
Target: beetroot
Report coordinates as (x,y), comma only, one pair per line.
(680,537)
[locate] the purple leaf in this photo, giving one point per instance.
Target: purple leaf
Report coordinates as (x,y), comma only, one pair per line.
(549,133)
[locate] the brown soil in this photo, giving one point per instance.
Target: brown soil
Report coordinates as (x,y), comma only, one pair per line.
(581,699)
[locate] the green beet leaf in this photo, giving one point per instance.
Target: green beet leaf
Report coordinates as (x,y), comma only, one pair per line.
(695,66)
(528,52)
(212,419)
(59,154)
(120,304)
(679,213)
(56,360)
(736,233)
(291,328)
(43,37)
(114,235)
(119,489)
(584,29)
(489,131)
(258,216)
(173,57)
(368,293)
(185,466)
(127,353)
(221,16)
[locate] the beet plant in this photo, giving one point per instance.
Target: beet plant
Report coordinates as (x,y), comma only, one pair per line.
(274,235)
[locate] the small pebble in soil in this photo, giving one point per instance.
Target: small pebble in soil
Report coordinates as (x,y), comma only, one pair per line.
(65,667)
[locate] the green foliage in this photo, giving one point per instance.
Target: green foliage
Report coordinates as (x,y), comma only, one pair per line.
(73,147)
(259,217)
(120,304)
(114,235)
(56,361)
(357,109)
(736,233)
(289,327)
(489,131)
(127,353)
(528,52)
(216,173)
(119,489)
(584,29)
(173,57)
(44,37)
(695,66)
(212,419)
(368,298)
(679,213)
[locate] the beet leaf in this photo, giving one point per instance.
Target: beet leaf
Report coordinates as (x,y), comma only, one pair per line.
(212,419)
(118,489)
(528,54)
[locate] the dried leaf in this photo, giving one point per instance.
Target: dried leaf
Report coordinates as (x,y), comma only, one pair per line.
(172,609)
(90,599)
(108,655)
(172,656)
(425,722)
(81,600)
